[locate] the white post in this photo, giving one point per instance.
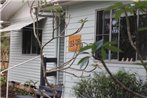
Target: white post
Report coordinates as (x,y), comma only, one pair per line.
(7,88)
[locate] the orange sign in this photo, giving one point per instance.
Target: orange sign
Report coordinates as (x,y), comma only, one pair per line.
(74,43)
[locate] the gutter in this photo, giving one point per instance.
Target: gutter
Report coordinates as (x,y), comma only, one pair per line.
(5,4)
(68,3)
(9,8)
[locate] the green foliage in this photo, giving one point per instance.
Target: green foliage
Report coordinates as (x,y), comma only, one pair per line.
(142,29)
(3,80)
(52,7)
(103,53)
(83,20)
(84,61)
(112,48)
(18,91)
(100,47)
(120,8)
(141,5)
(90,46)
(99,44)
(102,86)
(57,9)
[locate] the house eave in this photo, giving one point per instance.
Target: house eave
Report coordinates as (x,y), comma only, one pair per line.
(6,13)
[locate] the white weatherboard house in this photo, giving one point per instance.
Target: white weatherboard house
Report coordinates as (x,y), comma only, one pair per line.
(100,25)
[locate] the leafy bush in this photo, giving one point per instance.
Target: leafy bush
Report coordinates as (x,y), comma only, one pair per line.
(3,81)
(102,86)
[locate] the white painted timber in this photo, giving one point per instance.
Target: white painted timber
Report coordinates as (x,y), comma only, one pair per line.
(27,71)
(81,11)
(50,49)
(30,70)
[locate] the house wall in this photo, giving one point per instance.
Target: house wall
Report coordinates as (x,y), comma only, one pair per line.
(27,71)
(30,70)
(81,11)
(50,49)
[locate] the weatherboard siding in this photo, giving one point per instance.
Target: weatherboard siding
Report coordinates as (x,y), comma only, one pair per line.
(24,72)
(50,49)
(81,11)
(77,12)
(30,70)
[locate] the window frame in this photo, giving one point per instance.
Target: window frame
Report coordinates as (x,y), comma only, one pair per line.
(32,38)
(110,33)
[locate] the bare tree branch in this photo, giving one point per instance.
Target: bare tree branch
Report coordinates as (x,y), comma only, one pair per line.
(131,41)
(67,64)
(120,83)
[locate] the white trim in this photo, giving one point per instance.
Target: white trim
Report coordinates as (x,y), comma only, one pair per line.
(110,33)
(57,51)
(12,68)
(18,25)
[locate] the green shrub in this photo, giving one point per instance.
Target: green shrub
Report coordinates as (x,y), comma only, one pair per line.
(102,86)
(3,81)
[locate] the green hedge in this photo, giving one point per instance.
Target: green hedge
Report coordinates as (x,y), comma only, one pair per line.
(102,86)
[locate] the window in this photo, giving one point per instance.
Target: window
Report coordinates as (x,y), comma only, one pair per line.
(142,36)
(29,42)
(110,29)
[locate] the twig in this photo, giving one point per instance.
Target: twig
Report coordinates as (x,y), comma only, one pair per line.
(131,41)
(120,83)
